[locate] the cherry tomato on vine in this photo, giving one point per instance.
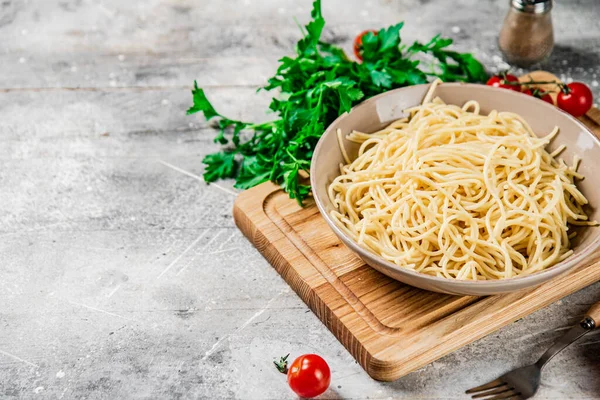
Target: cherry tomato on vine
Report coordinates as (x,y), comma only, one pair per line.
(309,375)
(540,94)
(576,99)
(501,82)
(545,97)
(358,43)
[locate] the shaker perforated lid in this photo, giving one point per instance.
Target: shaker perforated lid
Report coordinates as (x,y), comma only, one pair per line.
(532,6)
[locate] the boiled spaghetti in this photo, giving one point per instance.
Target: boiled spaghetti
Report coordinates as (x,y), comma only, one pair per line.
(453,193)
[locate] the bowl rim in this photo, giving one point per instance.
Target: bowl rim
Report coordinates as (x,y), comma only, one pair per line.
(524,280)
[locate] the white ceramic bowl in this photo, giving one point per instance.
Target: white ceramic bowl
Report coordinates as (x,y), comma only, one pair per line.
(379,111)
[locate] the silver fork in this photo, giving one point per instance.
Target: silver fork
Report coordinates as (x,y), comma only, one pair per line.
(522,383)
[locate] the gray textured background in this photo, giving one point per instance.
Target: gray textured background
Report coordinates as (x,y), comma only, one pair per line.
(123,276)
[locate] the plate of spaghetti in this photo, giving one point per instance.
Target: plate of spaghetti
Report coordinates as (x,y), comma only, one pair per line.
(461,188)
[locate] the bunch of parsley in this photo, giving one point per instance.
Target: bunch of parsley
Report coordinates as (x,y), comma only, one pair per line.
(316,86)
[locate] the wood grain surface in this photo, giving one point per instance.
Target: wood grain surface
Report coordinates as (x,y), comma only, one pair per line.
(390,328)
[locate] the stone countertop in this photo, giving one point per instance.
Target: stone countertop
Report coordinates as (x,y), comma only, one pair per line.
(123,274)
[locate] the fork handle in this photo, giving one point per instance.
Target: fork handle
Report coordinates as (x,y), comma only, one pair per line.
(594,314)
(588,323)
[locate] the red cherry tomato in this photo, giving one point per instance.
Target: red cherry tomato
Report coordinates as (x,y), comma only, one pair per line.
(309,376)
(577,99)
(500,81)
(545,97)
(358,43)
(540,94)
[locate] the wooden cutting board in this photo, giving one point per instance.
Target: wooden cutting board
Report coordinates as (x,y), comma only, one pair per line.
(389,327)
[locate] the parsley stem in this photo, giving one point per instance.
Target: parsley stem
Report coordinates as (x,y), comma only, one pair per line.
(262,125)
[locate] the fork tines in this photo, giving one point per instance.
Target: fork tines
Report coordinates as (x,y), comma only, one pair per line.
(497,389)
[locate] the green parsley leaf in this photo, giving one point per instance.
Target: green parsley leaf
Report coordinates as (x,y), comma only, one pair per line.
(389,38)
(308,45)
(219,165)
(381,78)
(251,173)
(201,103)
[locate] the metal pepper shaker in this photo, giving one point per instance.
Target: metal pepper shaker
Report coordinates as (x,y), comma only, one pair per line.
(527,36)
